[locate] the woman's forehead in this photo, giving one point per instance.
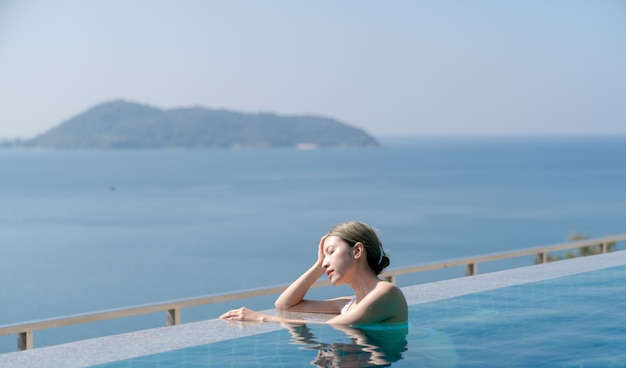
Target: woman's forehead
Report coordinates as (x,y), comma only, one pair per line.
(333,241)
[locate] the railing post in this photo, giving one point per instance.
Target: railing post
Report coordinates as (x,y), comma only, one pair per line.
(603,247)
(542,257)
(25,340)
(173,317)
(390,278)
(471,269)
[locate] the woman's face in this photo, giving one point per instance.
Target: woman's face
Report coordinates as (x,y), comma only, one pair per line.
(338,259)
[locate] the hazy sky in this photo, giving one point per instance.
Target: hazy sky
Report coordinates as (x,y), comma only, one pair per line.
(390,67)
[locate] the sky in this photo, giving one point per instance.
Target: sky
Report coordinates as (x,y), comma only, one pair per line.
(393,68)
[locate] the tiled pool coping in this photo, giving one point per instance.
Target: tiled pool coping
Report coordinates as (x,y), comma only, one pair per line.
(146,342)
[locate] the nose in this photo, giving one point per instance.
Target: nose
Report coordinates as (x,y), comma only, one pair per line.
(325,263)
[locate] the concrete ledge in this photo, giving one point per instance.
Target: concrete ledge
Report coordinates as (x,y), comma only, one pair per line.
(153,341)
(133,344)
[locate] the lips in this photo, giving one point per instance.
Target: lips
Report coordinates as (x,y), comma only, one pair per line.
(329,272)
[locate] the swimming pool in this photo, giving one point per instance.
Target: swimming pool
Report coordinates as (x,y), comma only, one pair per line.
(571,321)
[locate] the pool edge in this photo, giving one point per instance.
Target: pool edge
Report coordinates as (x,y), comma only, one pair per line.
(450,288)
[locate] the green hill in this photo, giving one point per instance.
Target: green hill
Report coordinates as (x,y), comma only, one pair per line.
(122,124)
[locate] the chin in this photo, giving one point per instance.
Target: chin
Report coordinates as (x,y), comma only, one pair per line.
(336,282)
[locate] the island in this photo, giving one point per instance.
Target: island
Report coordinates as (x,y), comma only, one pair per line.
(123,124)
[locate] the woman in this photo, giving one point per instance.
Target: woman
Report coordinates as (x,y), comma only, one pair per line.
(350,254)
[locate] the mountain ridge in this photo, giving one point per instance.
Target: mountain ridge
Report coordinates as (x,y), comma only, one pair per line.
(126,124)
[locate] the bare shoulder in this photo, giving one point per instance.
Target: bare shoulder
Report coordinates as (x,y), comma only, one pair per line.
(392,298)
(386,293)
(387,288)
(386,303)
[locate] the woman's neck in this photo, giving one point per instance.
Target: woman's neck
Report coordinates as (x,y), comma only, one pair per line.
(366,283)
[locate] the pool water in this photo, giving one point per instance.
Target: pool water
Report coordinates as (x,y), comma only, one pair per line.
(573,321)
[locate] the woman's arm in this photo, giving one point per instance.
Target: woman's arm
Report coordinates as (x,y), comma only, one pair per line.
(245,314)
(295,293)
(293,297)
(384,305)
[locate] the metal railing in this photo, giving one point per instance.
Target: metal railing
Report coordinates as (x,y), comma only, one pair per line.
(172,309)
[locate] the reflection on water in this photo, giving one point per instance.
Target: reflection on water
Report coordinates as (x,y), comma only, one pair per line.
(376,347)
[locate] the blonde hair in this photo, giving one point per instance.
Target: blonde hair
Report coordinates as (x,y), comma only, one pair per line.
(353,232)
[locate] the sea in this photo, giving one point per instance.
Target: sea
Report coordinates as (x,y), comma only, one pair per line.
(84,231)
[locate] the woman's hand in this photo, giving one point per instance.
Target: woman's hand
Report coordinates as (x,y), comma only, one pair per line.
(320,251)
(245,314)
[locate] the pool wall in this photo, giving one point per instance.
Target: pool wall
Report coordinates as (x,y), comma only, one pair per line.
(129,345)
